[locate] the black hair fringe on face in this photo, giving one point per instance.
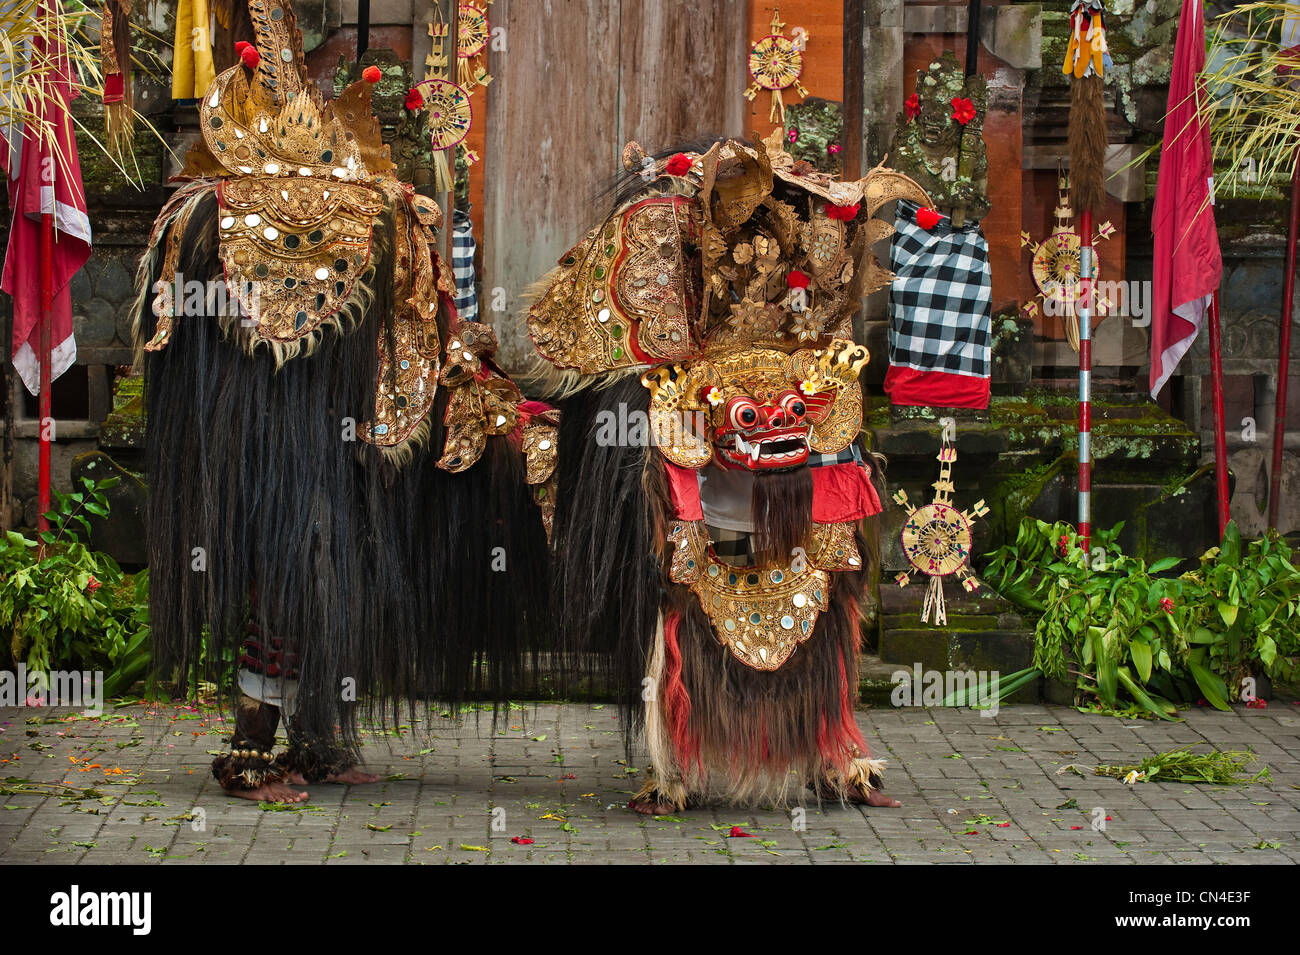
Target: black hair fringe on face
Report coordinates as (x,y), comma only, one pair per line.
(387,584)
(607,537)
(781,509)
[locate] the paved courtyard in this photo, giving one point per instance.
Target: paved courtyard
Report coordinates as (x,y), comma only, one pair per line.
(134,787)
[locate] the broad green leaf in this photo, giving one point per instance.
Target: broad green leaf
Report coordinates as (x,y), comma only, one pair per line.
(1212,687)
(1140,695)
(1267,650)
(1107,680)
(1164,563)
(1141,654)
(1228,612)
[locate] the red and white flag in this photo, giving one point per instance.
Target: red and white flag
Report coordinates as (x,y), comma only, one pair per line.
(45,177)
(1188,266)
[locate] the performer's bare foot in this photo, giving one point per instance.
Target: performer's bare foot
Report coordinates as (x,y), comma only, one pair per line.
(649,806)
(269,792)
(872,797)
(349,777)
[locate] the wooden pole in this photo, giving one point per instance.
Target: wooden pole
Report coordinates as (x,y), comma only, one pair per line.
(1085,379)
(1220,434)
(851,138)
(46,423)
(363,28)
(973,37)
(965,160)
(1284,349)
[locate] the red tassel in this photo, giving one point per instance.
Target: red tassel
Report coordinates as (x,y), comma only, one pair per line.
(843,213)
(371,74)
(414,99)
(677,701)
(250,56)
(114,88)
(797,279)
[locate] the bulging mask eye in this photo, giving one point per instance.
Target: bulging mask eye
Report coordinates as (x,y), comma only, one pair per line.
(793,406)
(743,414)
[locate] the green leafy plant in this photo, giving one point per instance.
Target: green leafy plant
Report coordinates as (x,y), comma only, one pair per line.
(1184,766)
(73,608)
(1137,642)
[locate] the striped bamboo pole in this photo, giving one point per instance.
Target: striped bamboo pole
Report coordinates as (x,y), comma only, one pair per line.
(1084,310)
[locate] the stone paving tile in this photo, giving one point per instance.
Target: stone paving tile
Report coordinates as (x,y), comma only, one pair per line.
(134,787)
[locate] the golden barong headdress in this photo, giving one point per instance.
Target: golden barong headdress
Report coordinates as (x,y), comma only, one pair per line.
(737,269)
(299,184)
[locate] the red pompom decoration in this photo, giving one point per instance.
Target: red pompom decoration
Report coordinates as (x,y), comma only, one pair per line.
(797,279)
(371,74)
(239,47)
(679,165)
(912,107)
(414,99)
(843,213)
(927,218)
(250,56)
(963,110)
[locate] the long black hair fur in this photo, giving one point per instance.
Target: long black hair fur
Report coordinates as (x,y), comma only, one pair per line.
(387,583)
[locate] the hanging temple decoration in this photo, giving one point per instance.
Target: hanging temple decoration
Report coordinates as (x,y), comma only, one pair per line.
(937,539)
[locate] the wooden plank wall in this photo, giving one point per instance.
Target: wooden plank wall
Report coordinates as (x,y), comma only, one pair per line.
(578,79)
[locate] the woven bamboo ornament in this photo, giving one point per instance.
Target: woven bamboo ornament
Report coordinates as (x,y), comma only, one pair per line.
(472,35)
(1055,266)
(447,105)
(937,539)
(776,63)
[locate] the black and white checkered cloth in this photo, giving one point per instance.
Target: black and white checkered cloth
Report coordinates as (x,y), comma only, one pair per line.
(940,303)
(462,265)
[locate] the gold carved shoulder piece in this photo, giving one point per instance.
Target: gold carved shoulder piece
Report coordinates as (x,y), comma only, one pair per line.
(678,418)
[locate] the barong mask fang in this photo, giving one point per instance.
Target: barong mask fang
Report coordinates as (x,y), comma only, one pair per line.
(758,408)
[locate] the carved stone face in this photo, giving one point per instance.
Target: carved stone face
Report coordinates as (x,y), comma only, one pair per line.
(762,435)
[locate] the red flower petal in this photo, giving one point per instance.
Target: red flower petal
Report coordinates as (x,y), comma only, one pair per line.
(927,218)
(797,279)
(913,106)
(522,841)
(1004,825)
(250,56)
(371,74)
(843,213)
(679,165)
(414,99)
(963,110)
(739,833)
